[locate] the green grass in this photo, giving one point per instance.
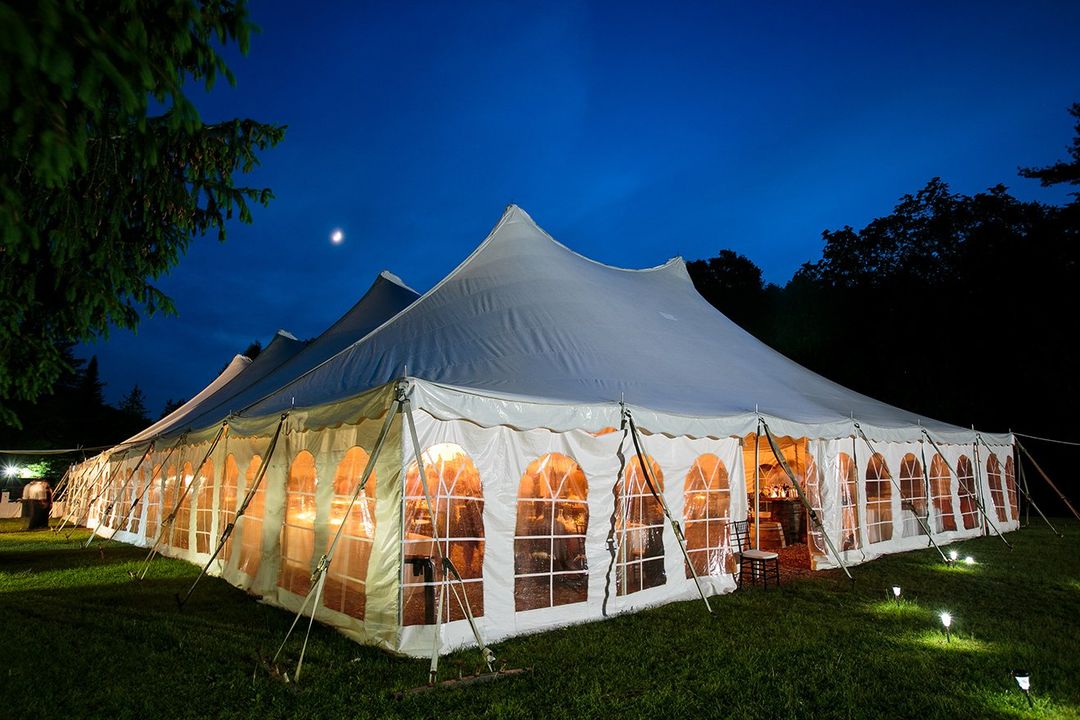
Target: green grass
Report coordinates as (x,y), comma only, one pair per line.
(81,639)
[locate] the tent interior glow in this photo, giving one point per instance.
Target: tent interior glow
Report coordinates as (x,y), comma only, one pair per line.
(522,380)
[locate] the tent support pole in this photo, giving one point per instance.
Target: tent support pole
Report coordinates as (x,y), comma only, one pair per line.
(248,497)
(614,545)
(120,493)
(84,515)
(779,455)
(84,489)
(149,484)
(166,524)
(318,577)
(978,501)
(757,486)
(1022,481)
(1022,487)
(645,470)
(911,505)
(446,565)
(1048,480)
(926,484)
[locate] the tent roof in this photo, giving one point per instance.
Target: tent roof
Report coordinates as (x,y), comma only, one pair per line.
(524,318)
(387,296)
(238,364)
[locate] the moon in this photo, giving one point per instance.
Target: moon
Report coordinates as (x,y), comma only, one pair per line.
(337,236)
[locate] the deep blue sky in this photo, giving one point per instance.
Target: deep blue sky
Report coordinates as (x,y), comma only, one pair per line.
(632,133)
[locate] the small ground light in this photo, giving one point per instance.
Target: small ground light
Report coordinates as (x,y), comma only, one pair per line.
(946,620)
(896,593)
(969,560)
(953,555)
(1023,679)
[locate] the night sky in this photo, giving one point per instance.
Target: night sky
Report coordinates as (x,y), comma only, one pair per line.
(631,133)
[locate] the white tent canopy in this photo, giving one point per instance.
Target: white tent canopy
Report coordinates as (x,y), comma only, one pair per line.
(518,367)
(525,324)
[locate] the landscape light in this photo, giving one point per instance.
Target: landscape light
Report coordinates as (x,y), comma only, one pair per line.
(969,560)
(953,555)
(896,593)
(1023,679)
(946,620)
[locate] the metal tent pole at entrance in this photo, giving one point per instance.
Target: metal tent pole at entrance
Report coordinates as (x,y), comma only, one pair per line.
(779,455)
(645,470)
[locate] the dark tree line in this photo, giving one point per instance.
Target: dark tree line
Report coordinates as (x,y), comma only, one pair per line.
(960,308)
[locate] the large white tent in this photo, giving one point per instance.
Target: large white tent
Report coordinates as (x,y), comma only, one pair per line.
(522,370)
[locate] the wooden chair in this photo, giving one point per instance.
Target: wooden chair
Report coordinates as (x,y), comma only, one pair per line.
(762,564)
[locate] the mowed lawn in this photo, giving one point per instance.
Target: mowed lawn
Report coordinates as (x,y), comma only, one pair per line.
(81,639)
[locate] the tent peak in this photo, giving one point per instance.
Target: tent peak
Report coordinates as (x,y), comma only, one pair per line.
(391,277)
(286,334)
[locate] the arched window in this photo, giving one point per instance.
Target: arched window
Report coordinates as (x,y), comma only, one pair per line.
(941,492)
(182,522)
(454,484)
(878,501)
(298,530)
(706,516)
(228,503)
(251,522)
(204,508)
(993,474)
(550,567)
(169,494)
(913,495)
(969,509)
(153,505)
(1010,485)
(849,501)
(138,485)
(346,580)
(639,526)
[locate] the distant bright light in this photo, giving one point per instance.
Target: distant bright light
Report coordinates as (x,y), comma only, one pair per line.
(969,560)
(946,619)
(337,236)
(953,555)
(12,471)
(896,590)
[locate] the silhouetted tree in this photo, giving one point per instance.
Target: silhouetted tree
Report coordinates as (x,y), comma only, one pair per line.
(134,405)
(1063,171)
(171,406)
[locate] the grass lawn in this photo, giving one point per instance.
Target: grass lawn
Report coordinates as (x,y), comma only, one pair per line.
(81,639)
